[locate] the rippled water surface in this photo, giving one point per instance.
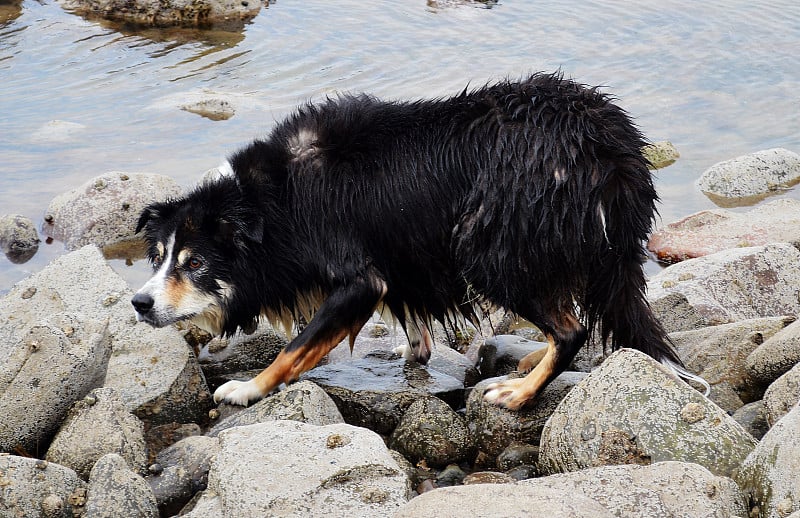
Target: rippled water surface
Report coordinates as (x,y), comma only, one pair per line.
(81,97)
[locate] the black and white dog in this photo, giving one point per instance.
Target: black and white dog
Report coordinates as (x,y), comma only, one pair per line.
(532,195)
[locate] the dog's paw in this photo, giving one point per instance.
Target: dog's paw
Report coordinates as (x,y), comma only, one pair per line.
(238,393)
(510,393)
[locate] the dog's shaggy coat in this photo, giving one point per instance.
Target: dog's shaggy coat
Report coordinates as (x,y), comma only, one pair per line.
(532,195)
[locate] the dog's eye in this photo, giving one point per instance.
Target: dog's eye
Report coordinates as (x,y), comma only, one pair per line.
(156,260)
(194,263)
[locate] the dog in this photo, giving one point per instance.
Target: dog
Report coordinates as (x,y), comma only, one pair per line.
(532,195)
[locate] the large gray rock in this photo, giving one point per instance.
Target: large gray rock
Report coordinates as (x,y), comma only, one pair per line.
(727,286)
(749,176)
(302,401)
(776,355)
(770,475)
(302,470)
(19,239)
(104,212)
(45,368)
(33,488)
(719,354)
(631,410)
(153,371)
(180,471)
(223,14)
(711,231)
(782,395)
(239,353)
(95,426)
(663,489)
(115,490)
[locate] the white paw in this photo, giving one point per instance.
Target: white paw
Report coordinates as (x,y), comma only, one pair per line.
(238,393)
(507,393)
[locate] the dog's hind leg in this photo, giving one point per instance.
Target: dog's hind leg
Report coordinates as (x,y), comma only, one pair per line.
(343,313)
(565,335)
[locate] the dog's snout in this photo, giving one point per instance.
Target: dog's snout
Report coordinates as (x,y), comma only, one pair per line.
(142,302)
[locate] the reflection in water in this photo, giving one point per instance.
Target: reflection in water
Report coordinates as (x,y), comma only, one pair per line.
(9,11)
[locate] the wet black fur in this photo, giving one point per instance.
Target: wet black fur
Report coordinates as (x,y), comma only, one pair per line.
(495,194)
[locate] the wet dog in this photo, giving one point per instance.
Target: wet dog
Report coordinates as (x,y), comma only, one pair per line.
(532,195)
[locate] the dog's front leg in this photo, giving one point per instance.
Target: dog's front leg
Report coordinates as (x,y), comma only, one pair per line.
(343,313)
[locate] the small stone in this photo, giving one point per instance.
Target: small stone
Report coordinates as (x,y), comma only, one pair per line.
(155,468)
(336,441)
(28,293)
(487,477)
(52,506)
(693,413)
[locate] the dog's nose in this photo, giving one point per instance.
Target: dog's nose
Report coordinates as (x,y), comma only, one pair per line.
(142,302)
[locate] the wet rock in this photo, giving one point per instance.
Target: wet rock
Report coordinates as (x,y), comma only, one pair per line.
(711,231)
(115,490)
(451,475)
(454,364)
(302,470)
(19,240)
(727,287)
(219,14)
(96,425)
(750,176)
(241,352)
(487,477)
(104,212)
(36,488)
(303,401)
(58,130)
(753,418)
(501,354)
(719,355)
(375,391)
(782,395)
(518,454)
(44,369)
(631,410)
(770,475)
(153,371)
(776,355)
(664,489)
(494,428)
(162,436)
(181,471)
(660,154)
(431,431)
(213,108)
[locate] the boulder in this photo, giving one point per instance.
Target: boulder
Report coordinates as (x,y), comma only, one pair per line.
(711,231)
(19,240)
(34,488)
(104,212)
(95,426)
(663,489)
(727,286)
(241,352)
(115,490)
(749,177)
(753,418)
(776,355)
(632,410)
(782,395)
(770,476)
(302,470)
(661,154)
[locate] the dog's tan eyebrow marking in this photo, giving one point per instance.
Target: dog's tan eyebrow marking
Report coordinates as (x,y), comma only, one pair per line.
(160,248)
(184,256)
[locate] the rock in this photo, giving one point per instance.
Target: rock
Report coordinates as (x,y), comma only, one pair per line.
(219,14)
(776,355)
(19,240)
(660,154)
(487,477)
(451,475)
(782,395)
(718,354)
(96,425)
(241,352)
(753,418)
(500,354)
(495,428)
(44,369)
(213,108)
(518,454)
(153,371)
(57,131)
(181,470)
(104,212)
(303,401)
(770,475)
(34,488)
(431,431)
(631,410)
(163,436)
(375,391)
(727,287)
(711,231)
(115,490)
(302,470)
(663,489)
(750,176)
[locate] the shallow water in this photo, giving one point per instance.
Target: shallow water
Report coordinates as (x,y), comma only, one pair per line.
(718,79)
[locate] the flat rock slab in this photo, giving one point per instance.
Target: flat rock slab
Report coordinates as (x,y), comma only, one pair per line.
(288,468)
(746,179)
(711,231)
(727,286)
(631,410)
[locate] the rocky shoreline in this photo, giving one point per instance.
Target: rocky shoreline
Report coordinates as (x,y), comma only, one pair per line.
(106,417)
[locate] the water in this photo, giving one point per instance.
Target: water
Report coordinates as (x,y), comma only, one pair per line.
(718,79)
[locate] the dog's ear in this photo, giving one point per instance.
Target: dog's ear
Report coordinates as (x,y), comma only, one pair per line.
(237,230)
(149,213)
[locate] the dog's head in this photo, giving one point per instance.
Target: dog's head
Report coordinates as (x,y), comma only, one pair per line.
(195,244)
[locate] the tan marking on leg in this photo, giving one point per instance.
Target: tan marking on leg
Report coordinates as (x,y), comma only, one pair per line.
(516,393)
(531,360)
